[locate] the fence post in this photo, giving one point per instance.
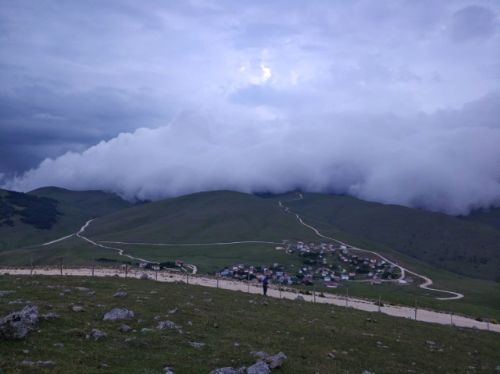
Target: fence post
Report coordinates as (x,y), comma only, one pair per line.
(126,270)
(31,270)
(217,282)
(248,286)
(61,266)
(379,302)
(93,266)
(156,274)
(280,291)
(451,318)
(415,309)
(187,278)
(347,297)
(314,295)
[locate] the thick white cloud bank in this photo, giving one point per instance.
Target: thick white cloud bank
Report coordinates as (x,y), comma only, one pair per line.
(448,161)
(391,101)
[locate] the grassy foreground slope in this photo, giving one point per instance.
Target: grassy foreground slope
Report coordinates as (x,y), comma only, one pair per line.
(443,241)
(316,338)
(53,212)
(206,217)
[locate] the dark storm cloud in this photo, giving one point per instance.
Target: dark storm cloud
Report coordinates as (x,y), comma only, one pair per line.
(394,101)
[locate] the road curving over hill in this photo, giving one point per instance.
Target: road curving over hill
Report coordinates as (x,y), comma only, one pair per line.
(427,281)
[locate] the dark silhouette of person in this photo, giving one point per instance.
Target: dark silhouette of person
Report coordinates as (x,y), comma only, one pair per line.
(265,283)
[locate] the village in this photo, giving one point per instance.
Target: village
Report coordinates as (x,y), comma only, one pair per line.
(322,264)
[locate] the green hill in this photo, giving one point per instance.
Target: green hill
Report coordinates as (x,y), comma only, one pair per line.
(205,217)
(49,213)
(490,217)
(461,246)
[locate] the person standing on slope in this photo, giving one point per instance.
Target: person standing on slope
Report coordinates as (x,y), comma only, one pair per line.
(265,283)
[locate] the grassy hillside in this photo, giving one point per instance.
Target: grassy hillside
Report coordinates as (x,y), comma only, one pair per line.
(446,242)
(490,217)
(49,213)
(316,338)
(205,217)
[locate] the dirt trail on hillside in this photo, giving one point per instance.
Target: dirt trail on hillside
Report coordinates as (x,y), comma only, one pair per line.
(427,281)
(418,314)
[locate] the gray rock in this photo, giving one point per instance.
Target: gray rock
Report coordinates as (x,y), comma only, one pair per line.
(49,316)
(168,370)
(77,308)
(124,328)
(172,311)
(276,361)
(368,372)
(497,369)
(227,370)
(117,314)
(96,334)
(163,325)
(18,324)
(40,363)
(259,368)
(261,354)
(5,293)
(197,345)
(146,329)
(120,294)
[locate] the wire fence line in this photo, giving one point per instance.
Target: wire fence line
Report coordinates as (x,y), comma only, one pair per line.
(252,287)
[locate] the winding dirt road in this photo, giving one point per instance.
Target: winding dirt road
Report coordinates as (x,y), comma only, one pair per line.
(427,281)
(417,314)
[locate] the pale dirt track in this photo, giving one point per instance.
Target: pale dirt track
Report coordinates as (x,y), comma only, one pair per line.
(422,315)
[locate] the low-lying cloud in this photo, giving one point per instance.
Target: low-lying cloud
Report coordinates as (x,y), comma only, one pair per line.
(447,161)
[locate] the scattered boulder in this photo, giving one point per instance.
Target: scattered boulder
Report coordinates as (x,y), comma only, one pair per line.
(96,334)
(117,314)
(77,308)
(120,294)
(163,325)
(259,368)
(124,328)
(227,370)
(172,311)
(40,363)
(168,370)
(367,372)
(197,345)
(276,361)
(18,324)
(49,316)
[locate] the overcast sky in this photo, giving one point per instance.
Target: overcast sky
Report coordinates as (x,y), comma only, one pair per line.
(392,101)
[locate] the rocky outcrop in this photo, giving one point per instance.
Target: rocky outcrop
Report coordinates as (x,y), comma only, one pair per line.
(118,314)
(17,325)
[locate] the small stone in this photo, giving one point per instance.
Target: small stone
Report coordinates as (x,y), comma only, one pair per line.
(117,314)
(124,328)
(146,329)
(276,361)
(96,334)
(227,370)
(172,311)
(49,316)
(120,294)
(168,370)
(77,308)
(197,345)
(367,372)
(58,345)
(258,368)
(40,363)
(103,366)
(162,325)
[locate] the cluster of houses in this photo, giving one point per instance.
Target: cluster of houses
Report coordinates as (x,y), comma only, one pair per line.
(322,263)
